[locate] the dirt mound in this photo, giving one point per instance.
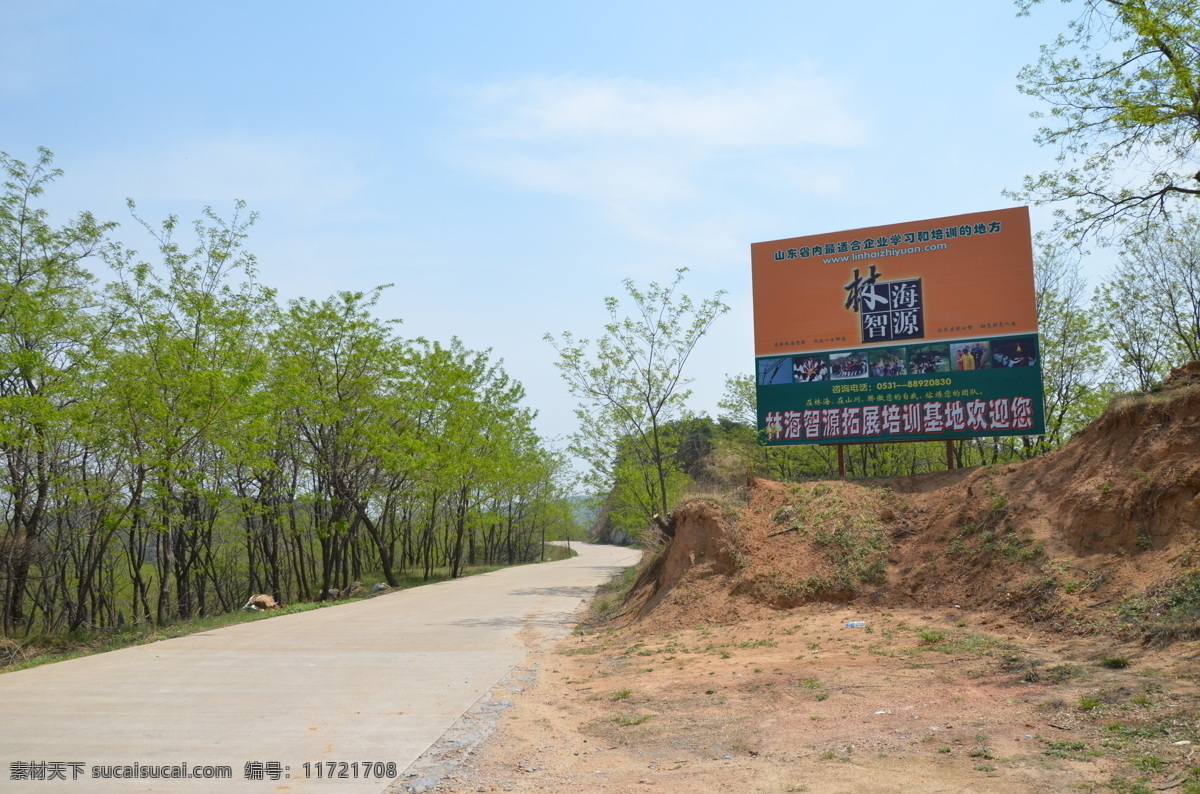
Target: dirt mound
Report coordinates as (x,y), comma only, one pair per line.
(786,544)
(698,551)
(1100,536)
(1131,479)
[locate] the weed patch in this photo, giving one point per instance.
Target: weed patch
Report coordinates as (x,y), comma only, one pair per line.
(1167,612)
(626,720)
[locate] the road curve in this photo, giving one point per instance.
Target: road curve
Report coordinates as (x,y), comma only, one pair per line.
(378,680)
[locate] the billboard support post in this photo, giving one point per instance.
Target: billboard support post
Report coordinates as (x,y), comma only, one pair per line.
(949,455)
(842,460)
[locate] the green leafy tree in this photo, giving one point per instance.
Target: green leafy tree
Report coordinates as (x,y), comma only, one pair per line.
(630,385)
(49,332)
(483,432)
(173,441)
(739,408)
(1123,84)
(1151,302)
(334,365)
(188,364)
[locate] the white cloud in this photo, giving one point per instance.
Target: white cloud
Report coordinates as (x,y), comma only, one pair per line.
(651,154)
(785,111)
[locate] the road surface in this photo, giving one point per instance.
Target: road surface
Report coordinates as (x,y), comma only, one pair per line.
(282,703)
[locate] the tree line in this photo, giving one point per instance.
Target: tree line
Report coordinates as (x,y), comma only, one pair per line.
(174,440)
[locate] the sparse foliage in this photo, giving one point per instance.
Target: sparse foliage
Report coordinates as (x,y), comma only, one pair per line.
(1074,364)
(630,385)
(1166,265)
(1123,85)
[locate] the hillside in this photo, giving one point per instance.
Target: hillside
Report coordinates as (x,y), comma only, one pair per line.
(1101,536)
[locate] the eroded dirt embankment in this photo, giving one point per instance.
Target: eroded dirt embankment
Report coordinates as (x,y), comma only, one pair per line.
(1079,539)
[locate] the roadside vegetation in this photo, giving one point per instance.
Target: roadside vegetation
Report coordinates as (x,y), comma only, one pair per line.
(175,441)
(33,651)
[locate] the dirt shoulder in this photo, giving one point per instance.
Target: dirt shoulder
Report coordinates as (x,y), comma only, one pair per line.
(797,701)
(1030,627)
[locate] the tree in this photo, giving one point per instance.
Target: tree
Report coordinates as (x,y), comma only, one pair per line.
(482,431)
(188,366)
(739,408)
(630,385)
(1166,265)
(334,362)
(1124,86)
(48,332)
(1073,359)
(172,442)
(1135,330)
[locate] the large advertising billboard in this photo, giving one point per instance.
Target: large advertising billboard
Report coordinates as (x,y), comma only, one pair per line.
(908,332)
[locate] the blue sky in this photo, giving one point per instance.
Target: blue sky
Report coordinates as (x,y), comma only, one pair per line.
(506,165)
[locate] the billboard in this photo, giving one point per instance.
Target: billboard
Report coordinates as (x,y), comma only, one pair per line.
(908,332)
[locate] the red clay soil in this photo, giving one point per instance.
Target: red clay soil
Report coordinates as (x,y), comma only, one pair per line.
(1064,539)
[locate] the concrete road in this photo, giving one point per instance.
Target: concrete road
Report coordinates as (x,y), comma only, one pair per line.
(284,702)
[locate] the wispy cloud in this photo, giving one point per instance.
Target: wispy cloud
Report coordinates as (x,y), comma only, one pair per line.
(652,154)
(788,111)
(631,141)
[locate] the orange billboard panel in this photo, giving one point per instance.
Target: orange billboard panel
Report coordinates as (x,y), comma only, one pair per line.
(934,280)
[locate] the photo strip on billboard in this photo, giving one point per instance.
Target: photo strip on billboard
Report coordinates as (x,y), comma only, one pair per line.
(908,332)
